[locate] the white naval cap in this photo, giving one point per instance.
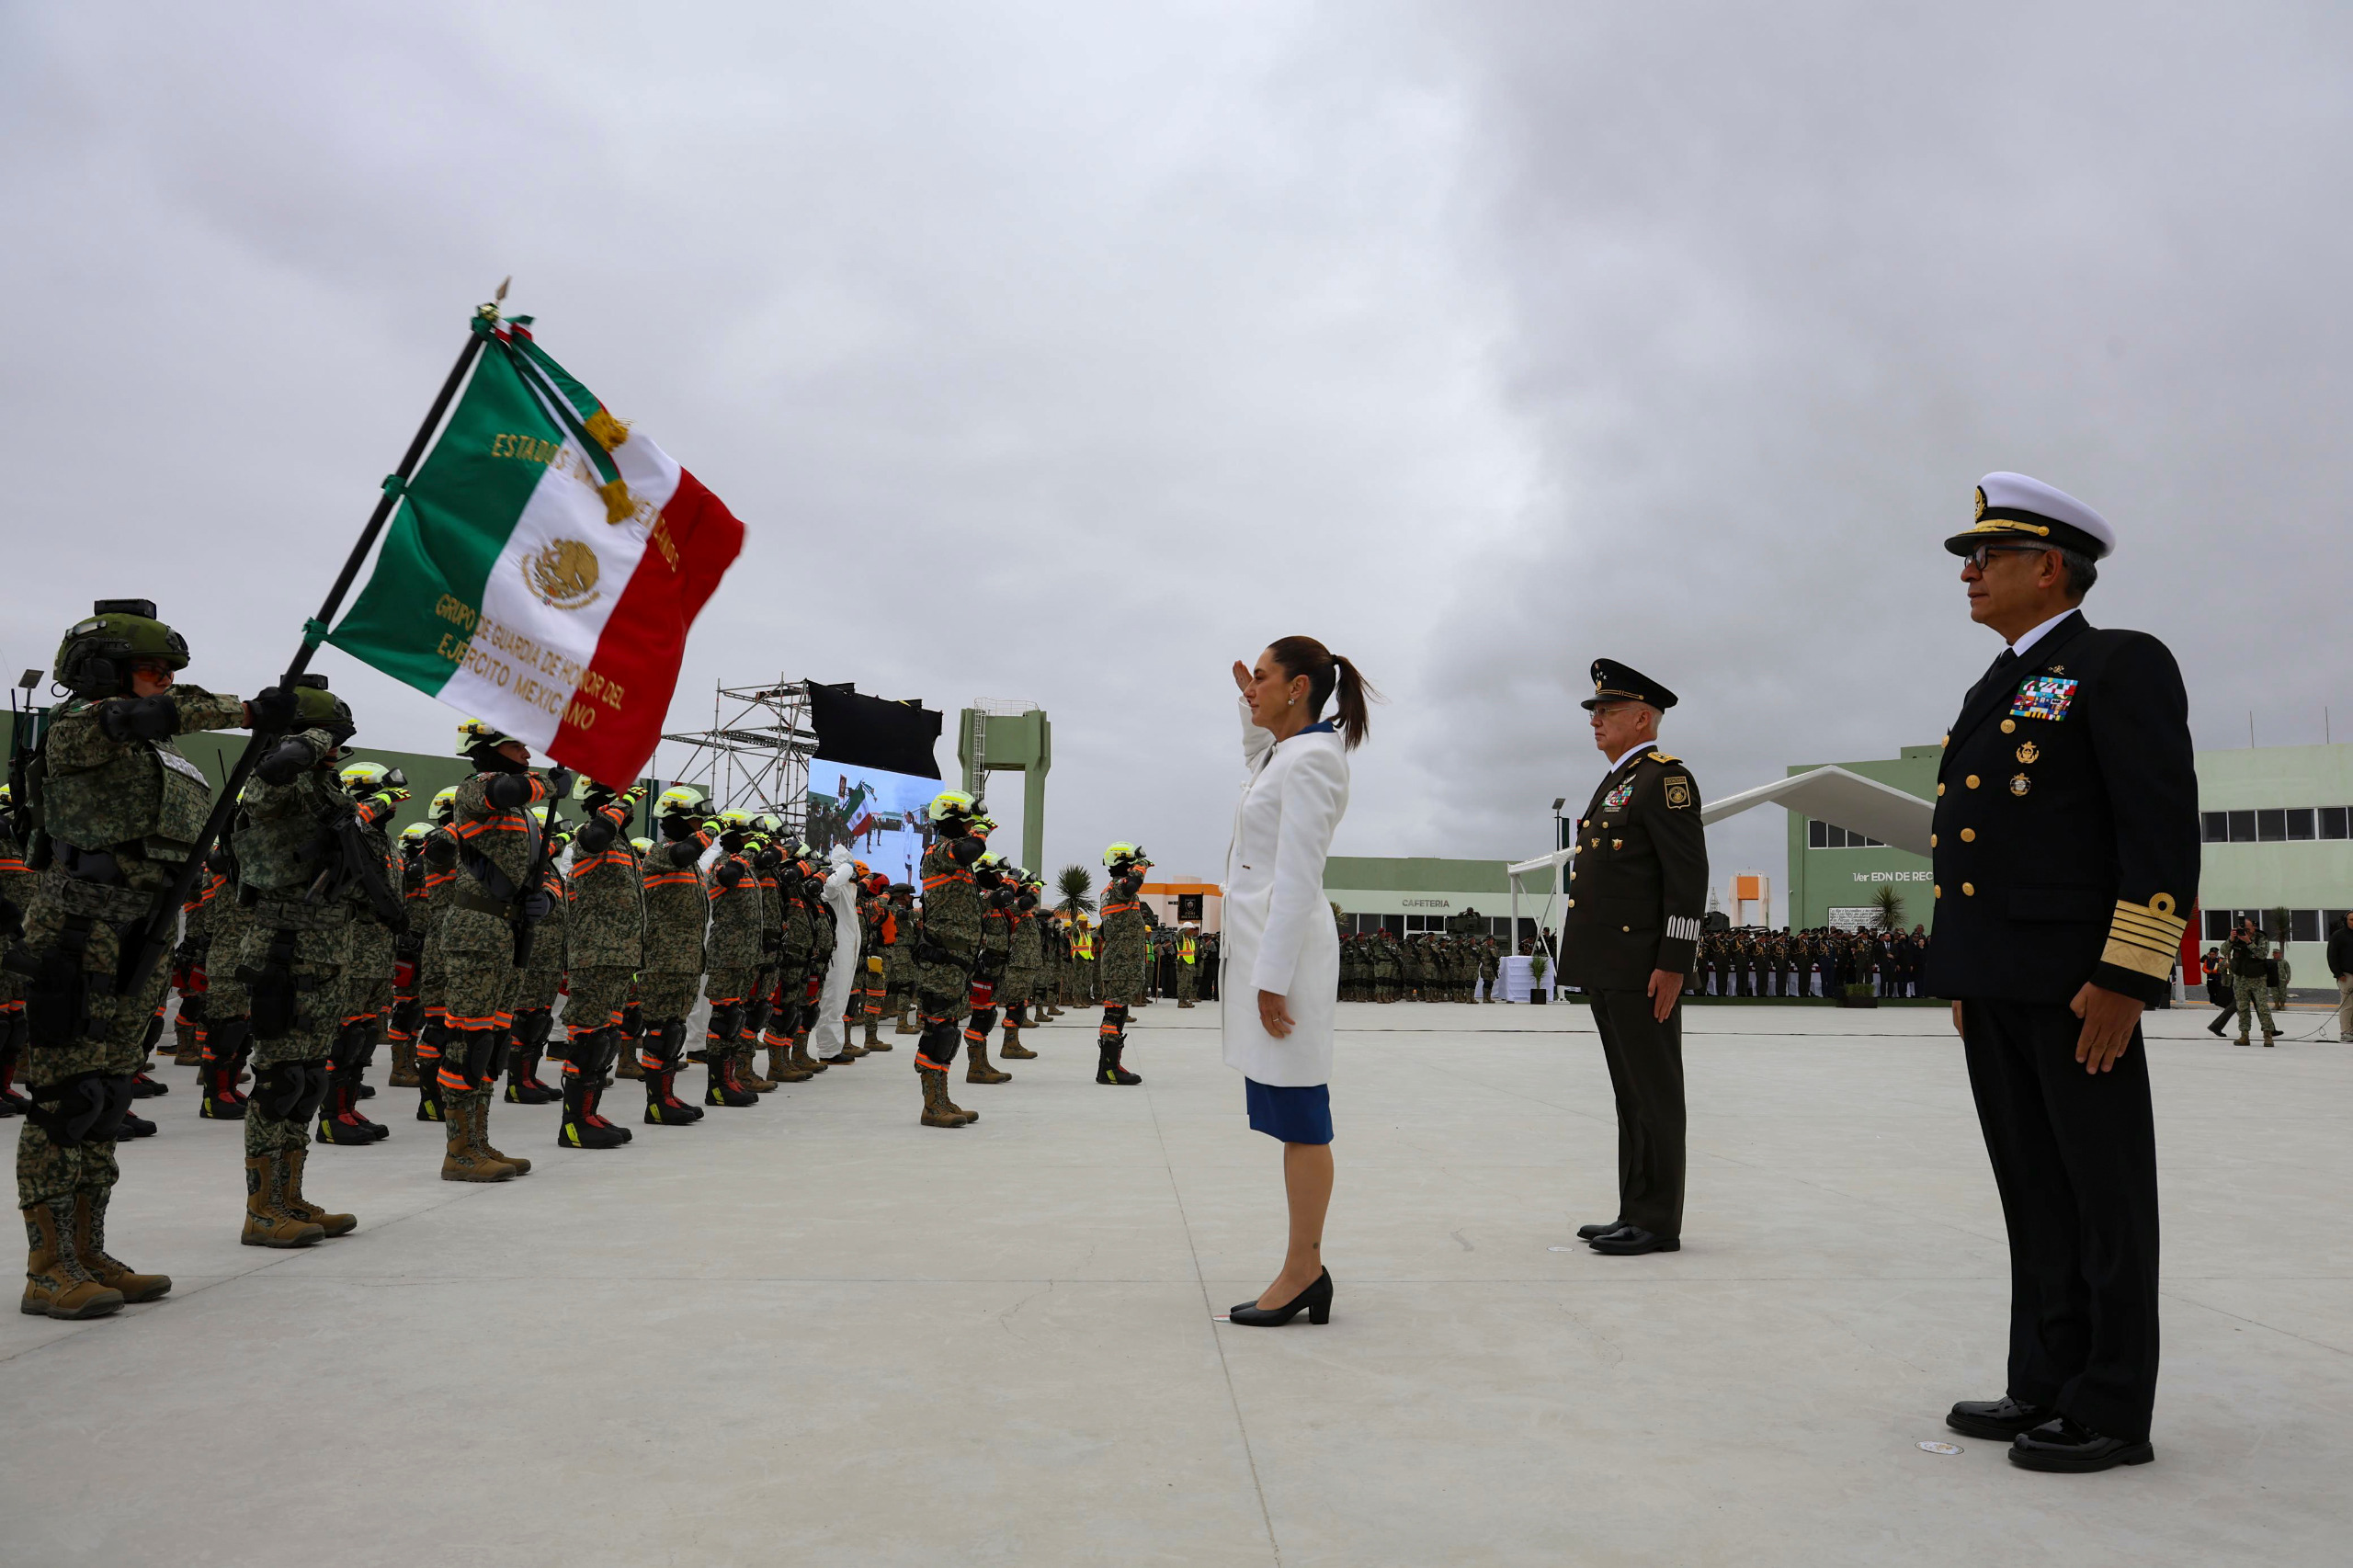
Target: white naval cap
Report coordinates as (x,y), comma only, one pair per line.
(2013,506)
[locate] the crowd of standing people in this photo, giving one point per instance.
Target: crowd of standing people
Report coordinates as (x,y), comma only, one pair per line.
(1817,962)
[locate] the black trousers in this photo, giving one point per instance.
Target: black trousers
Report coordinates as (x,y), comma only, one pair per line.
(1645,1060)
(2075,1158)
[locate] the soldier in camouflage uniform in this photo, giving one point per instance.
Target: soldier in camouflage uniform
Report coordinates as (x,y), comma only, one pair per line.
(872,912)
(786,1035)
(120,809)
(947,945)
(1025,974)
(225,1035)
(733,954)
(1082,966)
(18,883)
(677,916)
(294,873)
(2279,977)
(499,853)
(407,1016)
(990,968)
(2248,954)
(187,972)
(604,942)
(1120,952)
(542,984)
(1491,968)
(898,936)
(366,1000)
(438,860)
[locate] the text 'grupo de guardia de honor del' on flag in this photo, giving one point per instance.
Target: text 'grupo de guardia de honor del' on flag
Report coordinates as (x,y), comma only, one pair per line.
(544,566)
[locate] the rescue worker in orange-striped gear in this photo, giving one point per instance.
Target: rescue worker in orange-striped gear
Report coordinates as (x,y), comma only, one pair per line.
(678,917)
(604,942)
(1025,965)
(731,885)
(1120,956)
(998,890)
(948,947)
(874,917)
(438,860)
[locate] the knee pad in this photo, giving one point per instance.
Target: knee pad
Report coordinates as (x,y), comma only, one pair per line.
(226,1040)
(353,1041)
(315,1091)
(501,1043)
(1018,1017)
(435,1038)
(673,1041)
(726,1019)
(192,1006)
(279,1089)
(978,1026)
(756,1016)
(633,1020)
(407,1015)
(533,1028)
(86,1107)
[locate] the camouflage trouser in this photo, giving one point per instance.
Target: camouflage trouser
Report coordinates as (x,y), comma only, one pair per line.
(539,986)
(478,983)
(1189,981)
(727,982)
(113,1043)
(224,993)
(599,993)
(943,997)
(666,993)
(321,951)
(2253,993)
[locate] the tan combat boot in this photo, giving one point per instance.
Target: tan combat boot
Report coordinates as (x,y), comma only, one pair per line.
(403,1065)
(460,1160)
(56,1285)
(478,1121)
(747,1073)
(938,1109)
(302,1207)
(90,1251)
(780,1067)
(186,1050)
(800,1057)
(267,1225)
(1011,1049)
(976,1064)
(907,1020)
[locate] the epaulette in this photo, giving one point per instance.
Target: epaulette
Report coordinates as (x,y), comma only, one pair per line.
(1659,757)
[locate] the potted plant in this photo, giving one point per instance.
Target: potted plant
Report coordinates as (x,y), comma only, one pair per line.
(1536,987)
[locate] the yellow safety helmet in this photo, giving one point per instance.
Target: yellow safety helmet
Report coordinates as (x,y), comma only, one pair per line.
(1116,853)
(445,804)
(733,821)
(769,824)
(681,799)
(953,803)
(643,845)
(415,833)
(366,778)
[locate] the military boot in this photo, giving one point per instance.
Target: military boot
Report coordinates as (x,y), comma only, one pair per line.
(1107,1069)
(267,1221)
(225,1050)
(800,1057)
(56,1283)
(939,1110)
(187,1048)
(745,1065)
(906,1024)
(1010,1048)
(662,1106)
(719,1088)
(294,1204)
(461,1160)
(403,1075)
(90,1251)
(780,1067)
(478,1123)
(578,1128)
(977,1069)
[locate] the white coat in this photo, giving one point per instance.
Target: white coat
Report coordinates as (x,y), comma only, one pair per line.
(841,896)
(1278,935)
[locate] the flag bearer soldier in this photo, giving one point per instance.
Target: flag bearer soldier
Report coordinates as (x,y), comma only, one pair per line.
(1638,889)
(676,919)
(120,809)
(947,945)
(374,937)
(542,984)
(2066,860)
(605,943)
(1122,957)
(499,852)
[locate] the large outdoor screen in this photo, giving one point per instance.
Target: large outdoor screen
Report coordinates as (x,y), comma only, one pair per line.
(879,816)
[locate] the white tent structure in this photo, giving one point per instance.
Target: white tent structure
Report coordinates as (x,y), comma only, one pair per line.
(1826,794)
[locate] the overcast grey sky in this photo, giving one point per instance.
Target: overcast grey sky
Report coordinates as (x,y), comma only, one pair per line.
(1070,352)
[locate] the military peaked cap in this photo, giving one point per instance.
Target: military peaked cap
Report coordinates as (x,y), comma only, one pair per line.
(2013,507)
(1614,682)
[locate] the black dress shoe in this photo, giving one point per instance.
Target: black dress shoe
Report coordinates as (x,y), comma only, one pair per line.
(1317,1301)
(2068,1445)
(1999,1419)
(1586,1232)
(1627,1241)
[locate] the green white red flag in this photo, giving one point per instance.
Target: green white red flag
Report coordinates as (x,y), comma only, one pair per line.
(544,565)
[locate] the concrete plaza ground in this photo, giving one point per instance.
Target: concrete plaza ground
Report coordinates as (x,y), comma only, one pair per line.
(816,1333)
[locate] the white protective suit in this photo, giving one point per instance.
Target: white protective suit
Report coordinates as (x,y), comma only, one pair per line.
(827,1037)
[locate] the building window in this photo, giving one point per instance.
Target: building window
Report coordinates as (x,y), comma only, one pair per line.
(2217,925)
(2217,825)
(2300,822)
(2242,826)
(2271,826)
(2303,925)
(1817,835)
(2332,921)
(2332,822)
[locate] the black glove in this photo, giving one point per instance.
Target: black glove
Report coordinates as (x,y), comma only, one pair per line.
(284,763)
(596,835)
(536,905)
(273,707)
(731,842)
(769,860)
(559,780)
(139,718)
(508,791)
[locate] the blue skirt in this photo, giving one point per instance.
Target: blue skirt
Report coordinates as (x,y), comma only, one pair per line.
(1294,1115)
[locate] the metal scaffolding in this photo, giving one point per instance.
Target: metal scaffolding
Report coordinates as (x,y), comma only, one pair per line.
(755,756)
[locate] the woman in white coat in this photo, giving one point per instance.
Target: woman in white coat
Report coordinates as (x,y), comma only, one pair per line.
(1279,977)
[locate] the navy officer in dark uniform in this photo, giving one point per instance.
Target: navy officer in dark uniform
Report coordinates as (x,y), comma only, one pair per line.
(2065,852)
(1637,891)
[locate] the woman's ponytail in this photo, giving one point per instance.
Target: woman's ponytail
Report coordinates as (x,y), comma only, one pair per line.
(1327,674)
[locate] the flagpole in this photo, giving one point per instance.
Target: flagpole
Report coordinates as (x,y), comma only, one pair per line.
(157,940)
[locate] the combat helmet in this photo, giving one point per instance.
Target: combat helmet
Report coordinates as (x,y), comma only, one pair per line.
(643,846)
(478,742)
(316,707)
(98,654)
(366,778)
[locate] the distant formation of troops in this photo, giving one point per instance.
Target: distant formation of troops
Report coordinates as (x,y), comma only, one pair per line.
(1820,961)
(1425,966)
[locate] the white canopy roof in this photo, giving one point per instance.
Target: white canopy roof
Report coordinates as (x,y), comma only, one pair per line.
(1826,794)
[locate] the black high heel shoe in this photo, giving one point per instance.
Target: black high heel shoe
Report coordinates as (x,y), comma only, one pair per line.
(1316,1300)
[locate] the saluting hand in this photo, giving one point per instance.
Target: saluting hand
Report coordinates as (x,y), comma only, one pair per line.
(2108,1018)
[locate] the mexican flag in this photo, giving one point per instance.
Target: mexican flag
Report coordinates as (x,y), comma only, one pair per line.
(543,565)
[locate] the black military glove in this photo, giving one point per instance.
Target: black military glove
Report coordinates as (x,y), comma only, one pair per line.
(139,718)
(729,872)
(596,835)
(535,905)
(559,780)
(508,791)
(285,762)
(731,842)
(769,860)
(273,707)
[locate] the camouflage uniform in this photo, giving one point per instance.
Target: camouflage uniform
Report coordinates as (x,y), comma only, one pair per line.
(537,990)
(991,972)
(366,1002)
(947,945)
(187,970)
(1119,959)
(1491,968)
(121,815)
(604,942)
(17,884)
(1189,967)
(1025,977)
(678,915)
(875,967)
(898,937)
(732,955)
(797,984)
(438,861)
(2250,984)
(2280,979)
(227,1032)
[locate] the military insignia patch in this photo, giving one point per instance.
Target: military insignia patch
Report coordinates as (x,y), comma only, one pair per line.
(1678,793)
(2028,752)
(1617,798)
(2020,784)
(2044,697)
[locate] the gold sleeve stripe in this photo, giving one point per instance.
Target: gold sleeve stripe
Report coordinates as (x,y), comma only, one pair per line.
(2139,959)
(2167,932)
(2145,937)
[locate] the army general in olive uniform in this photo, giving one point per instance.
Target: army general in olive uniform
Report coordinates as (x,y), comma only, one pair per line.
(1638,889)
